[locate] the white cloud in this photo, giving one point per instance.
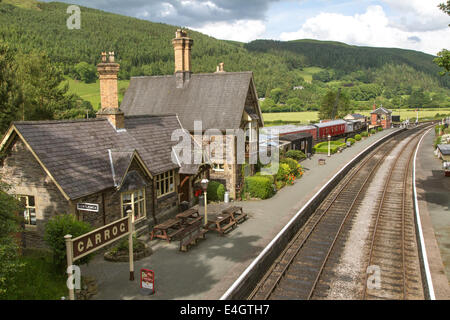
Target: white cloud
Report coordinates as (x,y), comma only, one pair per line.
(417,15)
(373,28)
(239,30)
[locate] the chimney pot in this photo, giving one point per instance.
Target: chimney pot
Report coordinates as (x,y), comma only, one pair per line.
(182,47)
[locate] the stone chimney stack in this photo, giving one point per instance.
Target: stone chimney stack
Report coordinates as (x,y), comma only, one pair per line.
(182,45)
(108,71)
(220,68)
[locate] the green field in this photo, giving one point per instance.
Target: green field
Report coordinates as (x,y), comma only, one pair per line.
(307,73)
(91,91)
(306,117)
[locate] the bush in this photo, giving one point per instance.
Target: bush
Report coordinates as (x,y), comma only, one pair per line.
(364,134)
(296,155)
(259,187)
(55,230)
(216,191)
(122,246)
(380,129)
(270,177)
(323,147)
(351,140)
(372,131)
(283,171)
(358,137)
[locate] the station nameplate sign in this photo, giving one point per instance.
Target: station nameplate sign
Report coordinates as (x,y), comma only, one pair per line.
(100,237)
(94,207)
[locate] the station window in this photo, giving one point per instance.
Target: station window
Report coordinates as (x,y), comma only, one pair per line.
(218,167)
(134,201)
(165,183)
(29,213)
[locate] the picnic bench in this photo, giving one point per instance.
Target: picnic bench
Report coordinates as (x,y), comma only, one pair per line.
(185,216)
(221,223)
(236,212)
(321,162)
(167,230)
(191,234)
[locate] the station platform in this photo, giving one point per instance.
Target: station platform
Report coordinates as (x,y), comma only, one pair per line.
(433,196)
(209,268)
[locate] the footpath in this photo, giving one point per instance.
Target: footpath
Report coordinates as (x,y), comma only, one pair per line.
(433,196)
(208,269)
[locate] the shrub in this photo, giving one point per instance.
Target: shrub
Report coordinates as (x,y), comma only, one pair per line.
(296,155)
(283,171)
(293,165)
(270,177)
(372,131)
(259,187)
(122,246)
(364,134)
(351,140)
(380,129)
(357,137)
(55,230)
(216,191)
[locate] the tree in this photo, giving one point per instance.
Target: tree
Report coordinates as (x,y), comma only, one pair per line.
(443,59)
(10,264)
(328,103)
(86,72)
(10,95)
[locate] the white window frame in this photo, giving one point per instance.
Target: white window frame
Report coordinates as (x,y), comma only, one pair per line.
(218,167)
(142,211)
(162,188)
(26,212)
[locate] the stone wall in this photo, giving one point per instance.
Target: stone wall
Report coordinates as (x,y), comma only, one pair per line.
(25,176)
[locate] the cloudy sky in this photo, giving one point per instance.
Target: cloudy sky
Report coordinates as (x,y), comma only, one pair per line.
(408,24)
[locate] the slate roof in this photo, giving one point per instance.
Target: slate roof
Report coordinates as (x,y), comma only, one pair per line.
(77,152)
(381,110)
(296,136)
(216,99)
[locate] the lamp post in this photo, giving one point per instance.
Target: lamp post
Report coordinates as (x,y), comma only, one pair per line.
(204,184)
(329,145)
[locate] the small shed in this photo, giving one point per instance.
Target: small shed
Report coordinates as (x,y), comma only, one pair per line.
(444,151)
(299,141)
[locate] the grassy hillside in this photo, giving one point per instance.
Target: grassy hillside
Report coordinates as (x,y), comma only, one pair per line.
(144,48)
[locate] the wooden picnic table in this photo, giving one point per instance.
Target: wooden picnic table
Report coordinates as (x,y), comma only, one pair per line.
(162,230)
(188,214)
(236,212)
(221,222)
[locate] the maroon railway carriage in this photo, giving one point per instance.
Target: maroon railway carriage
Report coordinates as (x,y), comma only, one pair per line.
(333,128)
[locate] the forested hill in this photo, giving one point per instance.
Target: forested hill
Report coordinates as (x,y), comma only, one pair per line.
(347,58)
(144,48)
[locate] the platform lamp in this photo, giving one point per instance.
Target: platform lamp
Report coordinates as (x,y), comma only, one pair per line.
(329,145)
(204,184)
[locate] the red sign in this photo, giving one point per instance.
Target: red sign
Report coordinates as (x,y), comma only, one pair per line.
(148,279)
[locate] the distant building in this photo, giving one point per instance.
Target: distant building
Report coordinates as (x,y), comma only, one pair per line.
(298,88)
(381,116)
(356,116)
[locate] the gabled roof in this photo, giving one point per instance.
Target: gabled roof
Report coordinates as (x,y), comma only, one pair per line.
(296,136)
(77,153)
(381,110)
(216,99)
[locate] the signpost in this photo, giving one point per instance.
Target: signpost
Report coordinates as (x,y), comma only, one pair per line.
(148,280)
(98,238)
(93,207)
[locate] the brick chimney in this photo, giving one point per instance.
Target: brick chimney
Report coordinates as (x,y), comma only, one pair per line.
(182,45)
(108,71)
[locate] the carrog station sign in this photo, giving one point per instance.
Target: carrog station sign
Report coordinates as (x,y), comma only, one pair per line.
(98,238)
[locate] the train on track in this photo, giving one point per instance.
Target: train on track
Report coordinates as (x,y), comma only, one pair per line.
(320,131)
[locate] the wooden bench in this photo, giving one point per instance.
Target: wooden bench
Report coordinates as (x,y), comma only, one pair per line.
(321,162)
(162,230)
(191,234)
(234,211)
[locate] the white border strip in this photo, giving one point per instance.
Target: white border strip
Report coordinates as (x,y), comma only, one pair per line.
(280,234)
(419,226)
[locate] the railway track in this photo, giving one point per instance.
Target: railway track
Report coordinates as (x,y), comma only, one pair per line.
(299,270)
